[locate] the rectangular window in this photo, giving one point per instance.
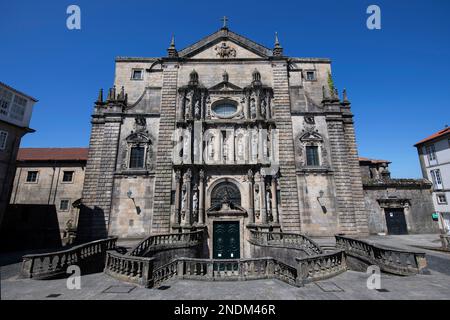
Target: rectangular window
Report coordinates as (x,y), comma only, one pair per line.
(310,75)
(67,176)
(136,74)
(64,205)
(17,111)
(436,177)
(5,101)
(137,157)
(32,176)
(312,156)
(441,199)
(3,139)
(431,153)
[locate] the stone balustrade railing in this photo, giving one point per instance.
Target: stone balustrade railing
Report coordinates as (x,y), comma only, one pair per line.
(445,240)
(389,260)
(54,264)
(170,240)
(140,270)
(285,240)
(225,269)
(320,267)
(128,268)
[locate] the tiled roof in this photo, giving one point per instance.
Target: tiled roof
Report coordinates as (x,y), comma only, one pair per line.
(52,154)
(438,134)
(373,160)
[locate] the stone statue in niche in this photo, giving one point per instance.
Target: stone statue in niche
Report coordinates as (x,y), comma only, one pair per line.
(183,199)
(252,109)
(256,198)
(263,107)
(188,105)
(269,200)
(197,109)
(240,148)
(211,148)
(195,201)
(254,145)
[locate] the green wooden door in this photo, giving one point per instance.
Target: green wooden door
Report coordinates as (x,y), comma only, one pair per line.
(226,240)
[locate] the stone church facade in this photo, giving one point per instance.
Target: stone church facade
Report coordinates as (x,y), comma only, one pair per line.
(225,135)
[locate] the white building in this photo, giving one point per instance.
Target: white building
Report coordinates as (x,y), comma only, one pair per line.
(434,155)
(15,114)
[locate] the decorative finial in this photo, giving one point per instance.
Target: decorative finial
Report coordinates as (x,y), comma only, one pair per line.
(172,51)
(193,78)
(100,97)
(225,20)
(344,97)
(277,49)
(256,77)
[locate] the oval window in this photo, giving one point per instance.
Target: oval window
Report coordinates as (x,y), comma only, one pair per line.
(225,109)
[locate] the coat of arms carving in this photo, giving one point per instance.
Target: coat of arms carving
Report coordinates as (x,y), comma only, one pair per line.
(225,51)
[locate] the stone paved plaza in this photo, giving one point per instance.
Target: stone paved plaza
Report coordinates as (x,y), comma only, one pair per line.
(349,285)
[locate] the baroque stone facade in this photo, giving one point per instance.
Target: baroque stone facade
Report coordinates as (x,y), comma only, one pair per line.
(224,134)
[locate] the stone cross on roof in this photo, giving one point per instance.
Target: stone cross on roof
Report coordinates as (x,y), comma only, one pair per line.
(225,20)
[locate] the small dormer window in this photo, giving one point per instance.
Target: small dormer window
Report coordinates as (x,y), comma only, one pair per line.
(137,74)
(310,75)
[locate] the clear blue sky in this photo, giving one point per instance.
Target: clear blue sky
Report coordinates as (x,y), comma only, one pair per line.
(398,78)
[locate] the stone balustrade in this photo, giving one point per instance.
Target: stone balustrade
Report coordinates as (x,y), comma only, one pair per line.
(320,267)
(445,240)
(225,269)
(285,240)
(128,268)
(53,264)
(389,260)
(170,240)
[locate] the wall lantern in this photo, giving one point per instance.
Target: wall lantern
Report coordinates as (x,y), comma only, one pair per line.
(129,195)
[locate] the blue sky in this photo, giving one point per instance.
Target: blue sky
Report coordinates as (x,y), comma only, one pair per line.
(398,78)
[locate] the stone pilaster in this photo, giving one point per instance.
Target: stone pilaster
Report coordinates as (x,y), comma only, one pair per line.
(99,178)
(163,180)
(289,215)
(339,161)
(360,213)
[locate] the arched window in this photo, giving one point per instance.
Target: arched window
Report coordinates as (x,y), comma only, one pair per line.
(225,192)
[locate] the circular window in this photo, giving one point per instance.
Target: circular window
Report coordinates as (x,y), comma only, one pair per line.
(225,109)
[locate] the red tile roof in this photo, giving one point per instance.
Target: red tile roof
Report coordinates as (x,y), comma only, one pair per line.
(52,154)
(434,136)
(373,160)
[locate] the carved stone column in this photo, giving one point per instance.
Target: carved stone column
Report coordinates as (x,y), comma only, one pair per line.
(251,210)
(187,209)
(274,199)
(262,199)
(258,105)
(201,207)
(176,216)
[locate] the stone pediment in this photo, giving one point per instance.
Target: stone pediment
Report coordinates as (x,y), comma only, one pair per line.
(225,44)
(225,86)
